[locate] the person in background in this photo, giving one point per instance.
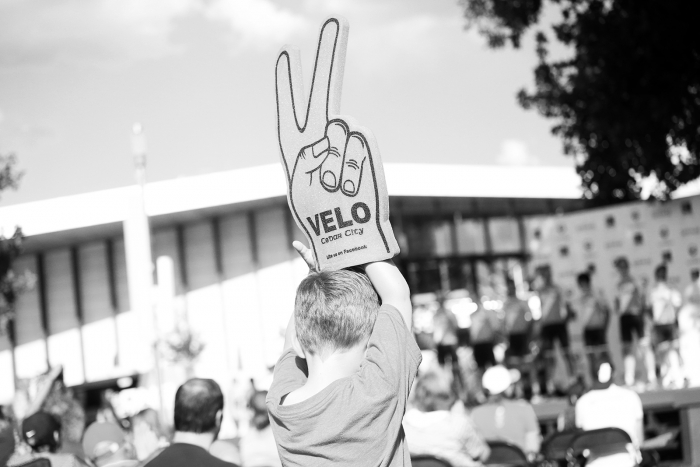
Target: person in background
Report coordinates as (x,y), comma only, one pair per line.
(594,315)
(610,406)
(567,419)
(42,432)
(149,438)
(199,406)
(258,448)
(665,302)
(552,325)
(105,445)
(445,337)
(517,326)
(689,330)
(503,419)
(436,426)
(628,307)
(483,333)
(7,439)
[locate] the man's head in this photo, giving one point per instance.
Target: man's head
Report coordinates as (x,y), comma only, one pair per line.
(199,406)
(661,273)
(622,266)
(543,274)
(42,431)
(334,310)
(584,281)
(105,443)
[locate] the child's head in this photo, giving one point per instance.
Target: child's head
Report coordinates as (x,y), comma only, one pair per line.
(334,310)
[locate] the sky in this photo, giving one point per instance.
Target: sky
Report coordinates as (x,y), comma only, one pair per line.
(199,76)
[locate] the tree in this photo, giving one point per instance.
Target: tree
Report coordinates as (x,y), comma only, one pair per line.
(11,283)
(626,101)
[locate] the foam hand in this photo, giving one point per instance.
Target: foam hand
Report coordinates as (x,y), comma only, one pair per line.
(335,178)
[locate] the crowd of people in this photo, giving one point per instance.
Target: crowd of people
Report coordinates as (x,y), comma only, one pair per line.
(656,327)
(351,369)
(142,440)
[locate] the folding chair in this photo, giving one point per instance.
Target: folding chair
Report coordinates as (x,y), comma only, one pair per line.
(428,461)
(555,447)
(506,455)
(598,443)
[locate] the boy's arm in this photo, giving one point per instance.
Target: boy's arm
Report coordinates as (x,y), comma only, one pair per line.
(391,287)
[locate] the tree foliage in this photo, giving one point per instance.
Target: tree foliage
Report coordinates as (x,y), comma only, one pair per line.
(11,283)
(626,99)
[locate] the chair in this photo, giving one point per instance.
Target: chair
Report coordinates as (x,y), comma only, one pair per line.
(428,461)
(556,445)
(506,455)
(38,462)
(598,443)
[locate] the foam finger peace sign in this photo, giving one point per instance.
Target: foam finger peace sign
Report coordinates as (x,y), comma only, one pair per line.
(335,179)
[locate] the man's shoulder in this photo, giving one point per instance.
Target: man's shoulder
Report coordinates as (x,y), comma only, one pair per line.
(182,454)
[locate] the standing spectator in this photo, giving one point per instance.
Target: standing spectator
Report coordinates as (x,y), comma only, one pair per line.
(628,307)
(502,419)
(594,315)
(42,432)
(149,436)
(483,333)
(104,443)
(199,406)
(553,324)
(689,328)
(518,331)
(665,303)
(258,448)
(436,426)
(610,406)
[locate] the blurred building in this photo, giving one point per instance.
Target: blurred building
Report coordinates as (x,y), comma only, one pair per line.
(232,276)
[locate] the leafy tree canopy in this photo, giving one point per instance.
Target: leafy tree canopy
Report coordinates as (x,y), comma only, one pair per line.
(11,284)
(626,100)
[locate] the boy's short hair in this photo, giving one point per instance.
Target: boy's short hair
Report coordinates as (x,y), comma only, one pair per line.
(334,310)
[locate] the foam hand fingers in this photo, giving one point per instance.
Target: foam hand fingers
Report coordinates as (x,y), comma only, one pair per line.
(331,170)
(353,164)
(306,254)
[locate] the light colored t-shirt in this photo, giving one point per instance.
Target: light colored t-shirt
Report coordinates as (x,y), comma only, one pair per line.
(484,327)
(448,435)
(506,420)
(665,303)
(517,316)
(629,298)
(355,420)
(552,303)
(614,407)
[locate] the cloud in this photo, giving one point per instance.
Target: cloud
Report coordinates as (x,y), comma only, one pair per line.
(515,152)
(40,32)
(256,23)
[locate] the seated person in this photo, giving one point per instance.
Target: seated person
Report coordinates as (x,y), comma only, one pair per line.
(340,388)
(436,426)
(608,405)
(42,432)
(148,435)
(503,419)
(104,443)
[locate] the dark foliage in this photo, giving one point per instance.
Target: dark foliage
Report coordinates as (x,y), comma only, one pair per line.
(627,99)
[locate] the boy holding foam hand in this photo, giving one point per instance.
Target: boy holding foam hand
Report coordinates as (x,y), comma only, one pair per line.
(340,388)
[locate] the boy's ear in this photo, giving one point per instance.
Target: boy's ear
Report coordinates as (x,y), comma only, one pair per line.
(297,346)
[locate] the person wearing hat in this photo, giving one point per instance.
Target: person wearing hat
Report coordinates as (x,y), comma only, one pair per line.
(504,419)
(105,445)
(629,304)
(42,432)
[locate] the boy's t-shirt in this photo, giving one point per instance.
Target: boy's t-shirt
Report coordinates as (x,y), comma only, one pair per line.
(355,420)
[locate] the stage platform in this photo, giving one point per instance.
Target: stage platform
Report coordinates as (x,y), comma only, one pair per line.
(673,413)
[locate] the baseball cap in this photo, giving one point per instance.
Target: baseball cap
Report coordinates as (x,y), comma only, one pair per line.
(38,429)
(102,439)
(498,378)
